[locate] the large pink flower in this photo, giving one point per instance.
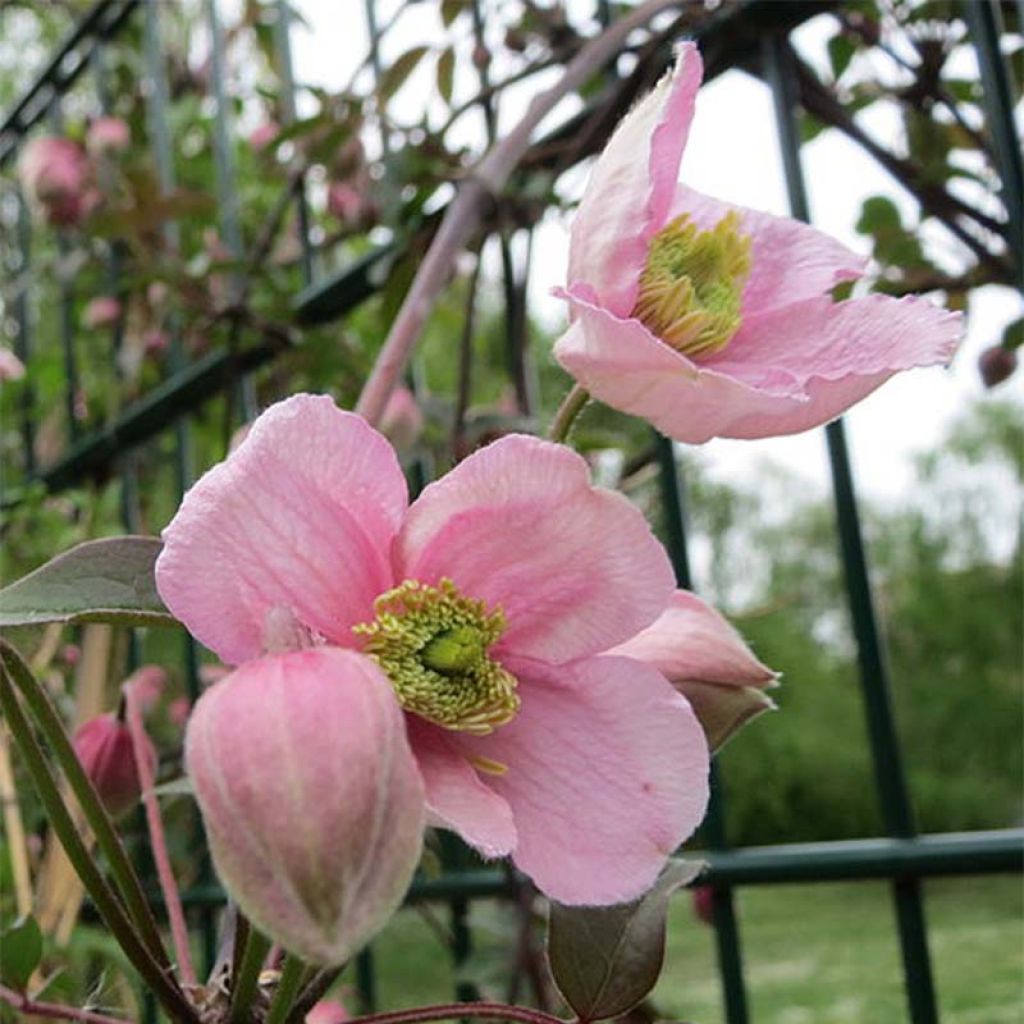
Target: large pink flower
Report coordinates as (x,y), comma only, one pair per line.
(709,319)
(491,603)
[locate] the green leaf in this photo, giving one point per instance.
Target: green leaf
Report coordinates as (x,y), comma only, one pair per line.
(451,9)
(446,74)
(393,79)
(879,213)
(21,949)
(109,580)
(606,959)
(840,52)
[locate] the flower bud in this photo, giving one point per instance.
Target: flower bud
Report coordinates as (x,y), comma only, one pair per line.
(311,798)
(327,1011)
(995,364)
(107,135)
(402,420)
(55,172)
(11,367)
(264,135)
(103,311)
(104,746)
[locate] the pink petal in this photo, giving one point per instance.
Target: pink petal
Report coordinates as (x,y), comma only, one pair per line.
(790,261)
(301,517)
(724,710)
(628,197)
(457,797)
(607,775)
(835,340)
(518,525)
(621,363)
(692,641)
(785,371)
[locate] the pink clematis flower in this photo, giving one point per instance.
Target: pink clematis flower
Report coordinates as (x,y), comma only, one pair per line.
(107,135)
(709,319)
(103,311)
(56,173)
(491,604)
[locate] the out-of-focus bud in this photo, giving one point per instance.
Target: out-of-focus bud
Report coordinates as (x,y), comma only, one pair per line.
(71,654)
(327,1011)
(345,202)
(104,747)
(103,311)
(995,364)
(311,798)
(264,135)
(481,56)
(402,420)
(155,342)
(107,135)
(703,897)
(11,367)
(55,173)
(178,711)
(149,682)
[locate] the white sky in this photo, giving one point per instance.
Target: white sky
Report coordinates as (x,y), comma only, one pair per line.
(733,154)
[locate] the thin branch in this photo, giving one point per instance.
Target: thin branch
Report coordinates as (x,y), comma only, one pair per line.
(465,359)
(54,1011)
(572,405)
(462,217)
(462,1011)
(158,842)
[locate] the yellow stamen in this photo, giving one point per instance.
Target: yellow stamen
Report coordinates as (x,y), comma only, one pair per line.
(691,287)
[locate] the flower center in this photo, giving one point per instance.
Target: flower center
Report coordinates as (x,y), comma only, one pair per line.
(692,284)
(433,645)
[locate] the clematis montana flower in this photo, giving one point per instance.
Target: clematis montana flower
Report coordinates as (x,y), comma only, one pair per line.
(491,604)
(56,174)
(709,319)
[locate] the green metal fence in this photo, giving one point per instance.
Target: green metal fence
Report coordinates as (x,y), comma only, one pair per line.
(157,425)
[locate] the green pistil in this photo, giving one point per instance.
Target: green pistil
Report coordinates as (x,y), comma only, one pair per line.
(433,645)
(692,284)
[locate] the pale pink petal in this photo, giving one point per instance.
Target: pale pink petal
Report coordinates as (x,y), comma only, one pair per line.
(631,187)
(301,517)
(607,775)
(457,798)
(692,641)
(518,525)
(724,710)
(621,363)
(785,371)
(790,261)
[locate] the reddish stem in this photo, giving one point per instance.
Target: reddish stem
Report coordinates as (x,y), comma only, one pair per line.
(168,886)
(463,1011)
(54,1011)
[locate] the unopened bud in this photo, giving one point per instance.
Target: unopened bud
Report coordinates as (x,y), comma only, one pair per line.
(107,135)
(311,798)
(103,311)
(104,746)
(996,364)
(327,1011)
(402,420)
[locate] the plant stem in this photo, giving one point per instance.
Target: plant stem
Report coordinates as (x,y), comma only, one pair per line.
(243,987)
(465,1011)
(107,903)
(54,1011)
(483,183)
(287,989)
(168,886)
(572,405)
(95,813)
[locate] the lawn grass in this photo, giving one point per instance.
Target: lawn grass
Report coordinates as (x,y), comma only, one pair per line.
(814,954)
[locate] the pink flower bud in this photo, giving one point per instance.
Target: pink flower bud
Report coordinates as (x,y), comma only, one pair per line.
(107,135)
(149,682)
(70,654)
(312,802)
(103,311)
(155,342)
(995,364)
(264,135)
(178,711)
(11,367)
(703,897)
(344,202)
(55,173)
(327,1011)
(402,421)
(104,747)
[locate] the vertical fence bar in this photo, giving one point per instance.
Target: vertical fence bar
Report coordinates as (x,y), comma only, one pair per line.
(66,305)
(23,340)
(874,678)
(283,44)
(985,21)
(157,109)
(227,192)
(727,932)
